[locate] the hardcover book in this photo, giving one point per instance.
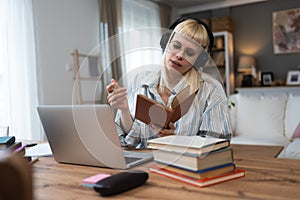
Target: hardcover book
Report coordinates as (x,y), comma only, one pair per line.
(200,174)
(195,162)
(151,112)
(237,173)
(6,141)
(12,147)
(188,144)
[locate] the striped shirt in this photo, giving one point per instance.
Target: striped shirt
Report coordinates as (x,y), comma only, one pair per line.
(207,116)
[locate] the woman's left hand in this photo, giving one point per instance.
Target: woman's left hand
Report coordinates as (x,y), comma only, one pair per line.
(165,131)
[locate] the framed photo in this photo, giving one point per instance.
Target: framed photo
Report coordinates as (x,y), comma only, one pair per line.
(293,78)
(286,31)
(266,78)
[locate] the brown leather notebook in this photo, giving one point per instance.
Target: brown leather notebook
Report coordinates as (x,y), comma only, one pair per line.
(150,112)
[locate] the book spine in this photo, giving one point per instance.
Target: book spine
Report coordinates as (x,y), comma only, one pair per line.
(201,182)
(188,149)
(11,147)
(196,155)
(208,174)
(175,177)
(177,165)
(202,170)
(194,163)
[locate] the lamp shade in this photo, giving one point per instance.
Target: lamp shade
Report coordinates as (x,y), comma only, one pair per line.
(246,63)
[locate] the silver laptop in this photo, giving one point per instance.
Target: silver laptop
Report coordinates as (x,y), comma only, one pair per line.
(86,135)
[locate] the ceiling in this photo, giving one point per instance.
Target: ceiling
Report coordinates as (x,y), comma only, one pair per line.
(189,6)
(189,3)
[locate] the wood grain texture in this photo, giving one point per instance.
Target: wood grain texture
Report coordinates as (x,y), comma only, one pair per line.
(266,178)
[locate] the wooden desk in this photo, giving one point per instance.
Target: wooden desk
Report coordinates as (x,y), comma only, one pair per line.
(266,178)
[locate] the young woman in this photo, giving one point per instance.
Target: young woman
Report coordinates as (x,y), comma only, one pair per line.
(185,50)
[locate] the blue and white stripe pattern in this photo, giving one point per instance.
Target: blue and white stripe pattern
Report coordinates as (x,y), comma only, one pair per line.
(209,111)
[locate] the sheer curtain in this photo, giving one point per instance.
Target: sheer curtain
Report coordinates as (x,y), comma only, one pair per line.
(18,80)
(129,15)
(138,15)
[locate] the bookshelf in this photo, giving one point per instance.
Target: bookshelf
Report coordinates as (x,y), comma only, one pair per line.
(222,54)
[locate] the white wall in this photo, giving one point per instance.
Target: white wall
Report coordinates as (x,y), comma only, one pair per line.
(61,26)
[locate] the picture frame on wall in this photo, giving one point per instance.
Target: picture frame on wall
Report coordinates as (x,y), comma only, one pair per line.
(266,78)
(286,31)
(293,78)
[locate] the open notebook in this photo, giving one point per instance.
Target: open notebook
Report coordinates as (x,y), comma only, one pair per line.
(86,135)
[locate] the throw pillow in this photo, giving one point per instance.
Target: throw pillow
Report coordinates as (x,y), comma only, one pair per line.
(296,133)
(292,114)
(292,151)
(260,116)
(233,110)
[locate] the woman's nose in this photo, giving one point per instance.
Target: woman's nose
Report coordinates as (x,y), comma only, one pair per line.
(180,54)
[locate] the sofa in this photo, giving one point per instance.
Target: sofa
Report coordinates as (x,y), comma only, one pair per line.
(267,119)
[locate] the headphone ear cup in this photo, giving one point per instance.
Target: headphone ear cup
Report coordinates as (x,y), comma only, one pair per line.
(164,40)
(201,60)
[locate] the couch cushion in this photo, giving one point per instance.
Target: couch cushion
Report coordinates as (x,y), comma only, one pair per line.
(292,114)
(272,141)
(293,150)
(260,117)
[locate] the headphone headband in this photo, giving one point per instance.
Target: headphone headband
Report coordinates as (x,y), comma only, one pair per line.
(166,37)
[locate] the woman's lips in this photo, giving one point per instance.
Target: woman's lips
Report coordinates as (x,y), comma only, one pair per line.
(175,64)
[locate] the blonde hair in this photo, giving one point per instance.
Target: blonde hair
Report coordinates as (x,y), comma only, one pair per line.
(191,29)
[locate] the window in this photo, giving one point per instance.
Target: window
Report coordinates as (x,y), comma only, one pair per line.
(141,36)
(18,85)
(3,119)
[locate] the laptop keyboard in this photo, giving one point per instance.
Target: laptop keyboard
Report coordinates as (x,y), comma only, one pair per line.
(131,159)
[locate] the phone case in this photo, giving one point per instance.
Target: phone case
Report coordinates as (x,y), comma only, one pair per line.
(120,182)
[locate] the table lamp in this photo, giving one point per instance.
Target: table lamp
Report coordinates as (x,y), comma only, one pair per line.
(247,66)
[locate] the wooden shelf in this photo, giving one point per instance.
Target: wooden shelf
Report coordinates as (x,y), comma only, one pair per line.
(269,90)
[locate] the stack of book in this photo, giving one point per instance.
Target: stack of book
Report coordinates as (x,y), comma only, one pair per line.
(9,145)
(195,160)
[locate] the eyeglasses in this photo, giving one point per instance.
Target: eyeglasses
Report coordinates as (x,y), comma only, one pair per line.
(176,47)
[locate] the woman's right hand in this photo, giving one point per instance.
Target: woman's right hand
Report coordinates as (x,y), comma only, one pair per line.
(117,96)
